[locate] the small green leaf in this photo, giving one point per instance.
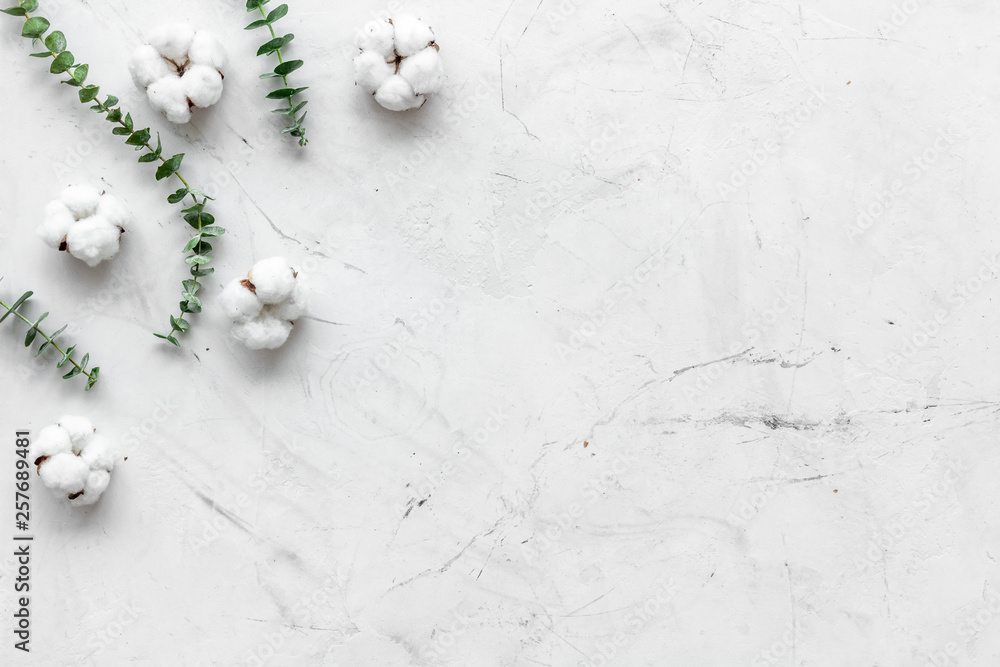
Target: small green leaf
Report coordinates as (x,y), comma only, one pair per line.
(128,121)
(56,42)
(16,305)
(73,373)
(256,24)
(139,138)
(89,93)
(80,73)
(275,44)
(178,196)
(148,157)
(277,13)
(29,5)
(201,272)
(15,11)
(213,230)
(94,374)
(61,63)
(121,131)
(34,27)
(287,67)
(170,167)
(197,259)
(170,339)
(66,357)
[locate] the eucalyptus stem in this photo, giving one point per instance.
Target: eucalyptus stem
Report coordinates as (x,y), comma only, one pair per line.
(50,341)
(63,62)
(284,68)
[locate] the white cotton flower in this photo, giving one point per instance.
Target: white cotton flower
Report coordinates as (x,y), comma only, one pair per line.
(396,94)
(273,279)
(169,97)
(80,430)
(56,223)
(424,71)
(85,223)
(265,305)
(50,441)
(180,69)
(239,302)
(73,461)
(399,75)
(371,70)
(206,49)
(267,333)
(81,200)
(93,240)
(172,41)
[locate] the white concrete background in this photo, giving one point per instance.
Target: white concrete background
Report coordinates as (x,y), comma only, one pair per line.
(674,415)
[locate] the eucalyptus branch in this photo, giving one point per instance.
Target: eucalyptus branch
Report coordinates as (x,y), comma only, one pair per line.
(63,62)
(284,68)
(79,368)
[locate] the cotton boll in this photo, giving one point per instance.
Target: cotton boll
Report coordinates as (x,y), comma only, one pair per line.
(111,209)
(424,71)
(147,65)
(81,200)
(377,36)
(371,70)
(411,34)
(99,454)
(95,486)
(268,333)
(50,441)
(396,94)
(206,49)
(202,85)
(294,307)
(64,473)
(239,303)
(93,240)
(169,97)
(273,279)
(80,430)
(172,41)
(58,219)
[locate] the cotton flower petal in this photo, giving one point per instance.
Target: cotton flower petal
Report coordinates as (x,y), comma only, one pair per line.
(50,441)
(93,240)
(294,307)
(268,333)
(424,71)
(206,49)
(64,474)
(371,70)
(81,200)
(172,41)
(99,453)
(97,482)
(58,219)
(202,85)
(411,34)
(377,36)
(113,210)
(80,430)
(239,303)
(396,94)
(169,97)
(273,279)
(147,65)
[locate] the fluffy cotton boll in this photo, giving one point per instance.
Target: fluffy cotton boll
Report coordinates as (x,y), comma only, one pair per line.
(64,474)
(377,36)
(206,49)
(268,333)
(371,70)
(169,97)
(95,486)
(81,200)
(296,306)
(172,41)
(57,221)
(99,454)
(411,34)
(93,240)
(203,85)
(50,441)
(239,303)
(147,65)
(424,71)
(113,210)
(396,94)
(80,430)
(273,280)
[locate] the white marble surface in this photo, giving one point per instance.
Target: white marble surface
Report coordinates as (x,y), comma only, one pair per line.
(657,420)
